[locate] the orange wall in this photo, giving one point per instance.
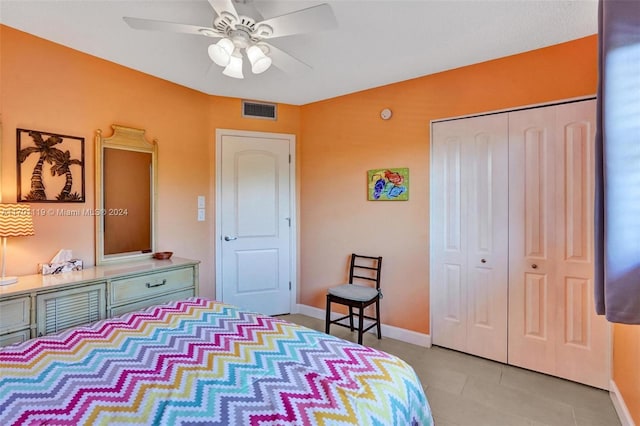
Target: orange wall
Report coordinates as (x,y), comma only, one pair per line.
(626,366)
(344,137)
(45,86)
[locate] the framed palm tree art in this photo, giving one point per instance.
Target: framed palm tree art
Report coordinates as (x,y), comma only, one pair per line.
(50,167)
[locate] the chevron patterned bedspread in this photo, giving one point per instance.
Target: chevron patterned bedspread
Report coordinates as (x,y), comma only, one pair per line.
(201,362)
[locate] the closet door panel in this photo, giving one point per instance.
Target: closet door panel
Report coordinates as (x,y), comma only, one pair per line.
(487,217)
(532,292)
(583,336)
(448,247)
(513,241)
(469,235)
(553,327)
(536,290)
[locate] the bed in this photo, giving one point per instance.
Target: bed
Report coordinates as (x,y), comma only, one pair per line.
(202,362)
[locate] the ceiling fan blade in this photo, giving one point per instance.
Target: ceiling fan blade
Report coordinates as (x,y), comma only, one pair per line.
(221,6)
(285,61)
(152,25)
(308,20)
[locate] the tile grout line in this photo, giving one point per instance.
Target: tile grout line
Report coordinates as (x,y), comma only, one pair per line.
(575,418)
(466,380)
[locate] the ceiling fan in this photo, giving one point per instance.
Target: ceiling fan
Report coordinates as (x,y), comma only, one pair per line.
(240,26)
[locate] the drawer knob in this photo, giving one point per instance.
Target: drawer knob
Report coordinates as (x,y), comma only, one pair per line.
(149,285)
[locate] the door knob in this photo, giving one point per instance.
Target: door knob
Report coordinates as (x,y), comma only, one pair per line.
(229,238)
(483,260)
(534,266)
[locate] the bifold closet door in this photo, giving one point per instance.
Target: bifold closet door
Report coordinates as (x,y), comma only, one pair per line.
(553,327)
(469,235)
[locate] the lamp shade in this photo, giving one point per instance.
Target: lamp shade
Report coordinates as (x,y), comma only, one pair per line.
(220,53)
(259,61)
(234,69)
(16,220)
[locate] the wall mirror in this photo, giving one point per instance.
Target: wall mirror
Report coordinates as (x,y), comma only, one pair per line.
(126,192)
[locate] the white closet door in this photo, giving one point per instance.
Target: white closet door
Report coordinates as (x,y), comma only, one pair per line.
(448,238)
(552,323)
(469,235)
(532,248)
(583,339)
(486,188)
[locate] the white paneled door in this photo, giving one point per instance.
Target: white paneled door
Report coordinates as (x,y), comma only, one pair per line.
(469,240)
(255,221)
(553,327)
(512,232)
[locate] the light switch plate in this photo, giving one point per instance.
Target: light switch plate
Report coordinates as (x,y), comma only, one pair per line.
(201,201)
(200,215)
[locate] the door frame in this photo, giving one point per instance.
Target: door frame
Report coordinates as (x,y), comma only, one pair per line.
(293,209)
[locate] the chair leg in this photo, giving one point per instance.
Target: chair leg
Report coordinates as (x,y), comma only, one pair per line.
(360,325)
(351,317)
(327,322)
(378,318)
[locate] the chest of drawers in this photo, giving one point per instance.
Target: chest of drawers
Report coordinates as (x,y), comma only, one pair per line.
(38,305)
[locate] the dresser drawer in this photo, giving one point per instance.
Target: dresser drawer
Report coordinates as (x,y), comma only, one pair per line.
(16,337)
(131,307)
(150,285)
(63,309)
(15,314)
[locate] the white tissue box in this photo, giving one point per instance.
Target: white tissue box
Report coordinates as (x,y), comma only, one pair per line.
(57,268)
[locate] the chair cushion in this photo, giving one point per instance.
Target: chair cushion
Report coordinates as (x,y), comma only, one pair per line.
(355,292)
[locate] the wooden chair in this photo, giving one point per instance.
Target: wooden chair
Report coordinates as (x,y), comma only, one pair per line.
(367,269)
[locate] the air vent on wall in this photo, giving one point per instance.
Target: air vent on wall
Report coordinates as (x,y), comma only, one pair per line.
(263,110)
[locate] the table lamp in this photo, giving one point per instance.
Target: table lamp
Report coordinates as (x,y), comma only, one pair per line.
(15,221)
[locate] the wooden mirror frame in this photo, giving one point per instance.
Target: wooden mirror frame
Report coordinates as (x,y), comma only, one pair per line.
(128,139)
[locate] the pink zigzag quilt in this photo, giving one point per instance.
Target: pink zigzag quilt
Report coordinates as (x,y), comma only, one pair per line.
(201,362)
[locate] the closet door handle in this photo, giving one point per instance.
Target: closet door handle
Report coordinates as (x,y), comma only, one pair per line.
(534,266)
(230,238)
(483,260)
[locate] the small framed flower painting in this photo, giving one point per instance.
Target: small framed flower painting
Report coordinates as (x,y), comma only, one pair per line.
(390,184)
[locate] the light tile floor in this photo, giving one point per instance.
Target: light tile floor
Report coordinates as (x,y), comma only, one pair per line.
(466,390)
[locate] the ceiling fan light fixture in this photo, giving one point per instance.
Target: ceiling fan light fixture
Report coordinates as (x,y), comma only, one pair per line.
(243,28)
(221,52)
(259,61)
(234,69)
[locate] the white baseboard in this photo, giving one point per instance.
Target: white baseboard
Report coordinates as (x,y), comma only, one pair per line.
(618,403)
(390,331)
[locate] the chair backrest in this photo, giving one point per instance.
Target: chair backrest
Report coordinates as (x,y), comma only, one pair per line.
(365,268)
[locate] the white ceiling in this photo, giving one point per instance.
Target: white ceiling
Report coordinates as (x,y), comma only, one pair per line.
(377,42)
